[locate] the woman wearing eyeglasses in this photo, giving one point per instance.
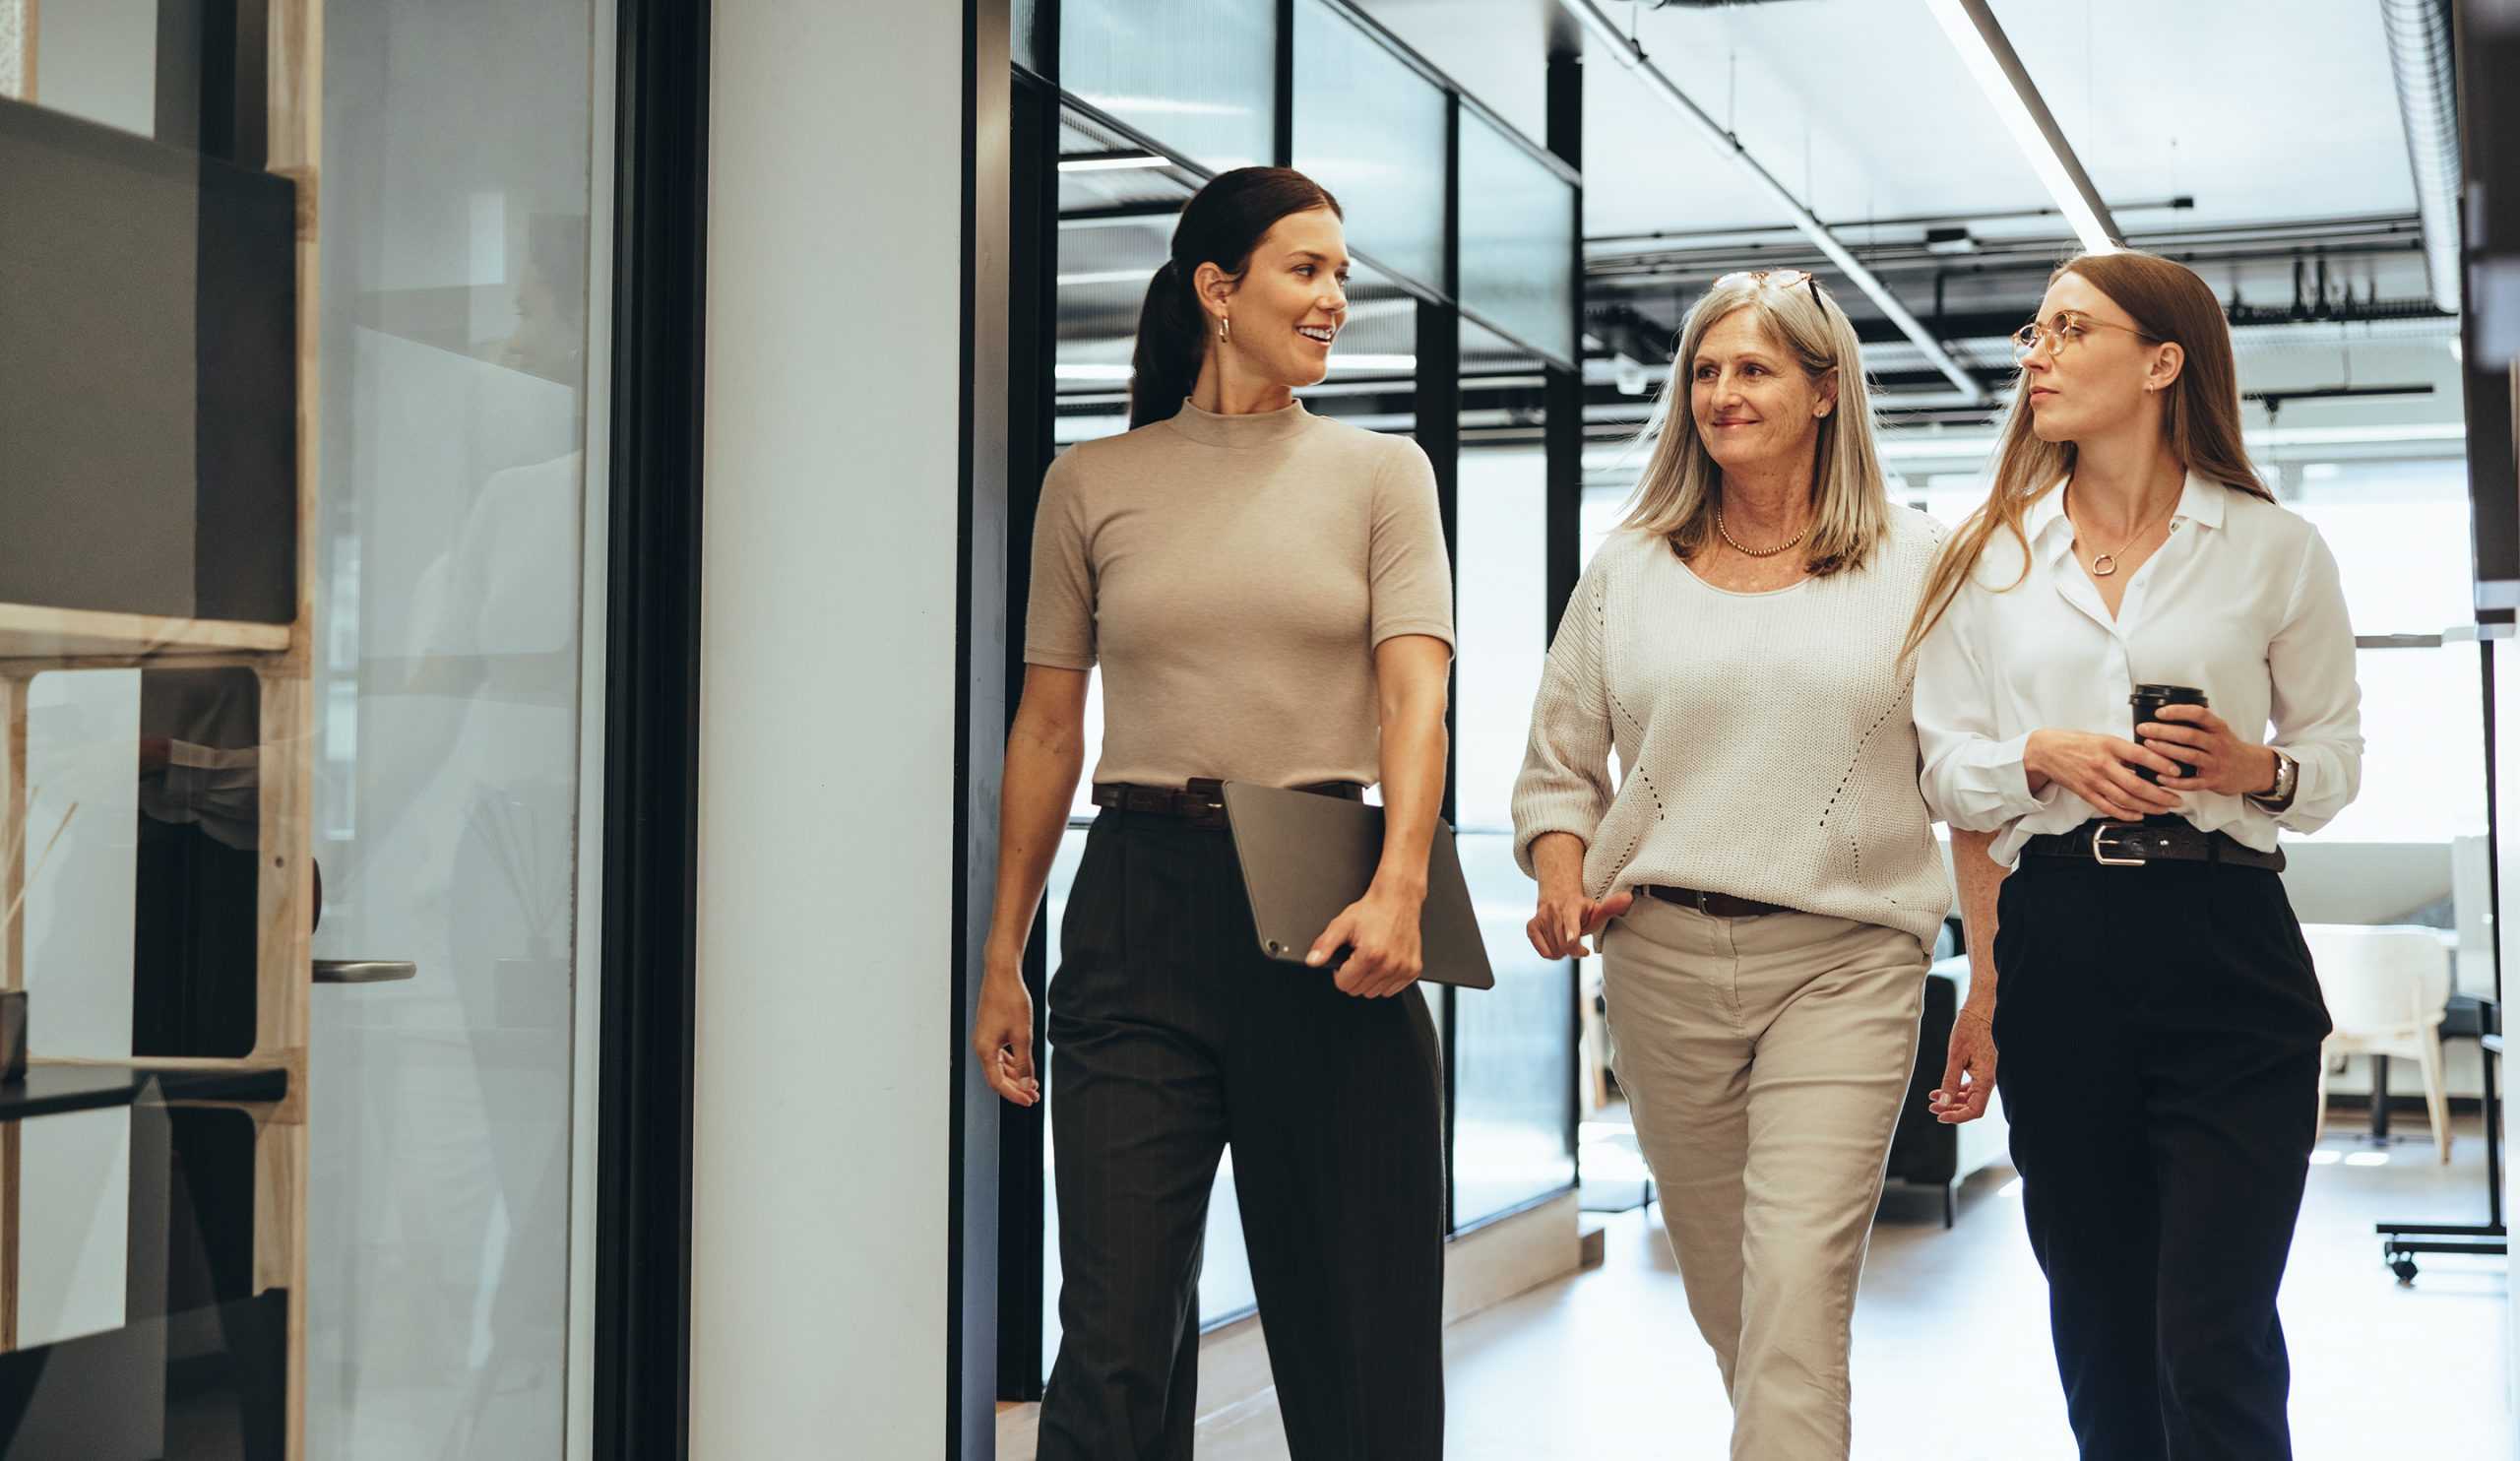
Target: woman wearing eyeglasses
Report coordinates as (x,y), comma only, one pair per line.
(1765,852)
(2158,1018)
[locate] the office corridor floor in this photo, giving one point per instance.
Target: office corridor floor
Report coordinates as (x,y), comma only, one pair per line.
(1952,1359)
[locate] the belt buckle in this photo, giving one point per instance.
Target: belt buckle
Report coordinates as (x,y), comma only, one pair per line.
(1206,797)
(1700,895)
(2100,840)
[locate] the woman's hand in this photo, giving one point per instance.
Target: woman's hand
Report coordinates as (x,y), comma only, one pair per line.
(2217,760)
(1566,917)
(1969,1074)
(1002,1035)
(2100,770)
(1381,933)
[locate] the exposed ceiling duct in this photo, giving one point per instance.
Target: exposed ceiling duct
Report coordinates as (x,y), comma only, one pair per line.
(1632,56)
(2428,103)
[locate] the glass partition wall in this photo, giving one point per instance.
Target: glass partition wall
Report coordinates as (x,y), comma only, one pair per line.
(371,653)
(1146,106)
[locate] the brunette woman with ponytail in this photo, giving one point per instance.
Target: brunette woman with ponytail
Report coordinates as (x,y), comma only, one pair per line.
(2159,1019)
(1268,596)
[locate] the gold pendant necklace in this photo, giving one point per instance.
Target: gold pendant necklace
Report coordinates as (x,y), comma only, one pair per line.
(2107,563)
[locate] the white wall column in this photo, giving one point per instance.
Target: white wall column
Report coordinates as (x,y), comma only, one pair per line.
(824,1099)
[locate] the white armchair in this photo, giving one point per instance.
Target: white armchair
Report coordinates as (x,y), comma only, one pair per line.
(2386,989)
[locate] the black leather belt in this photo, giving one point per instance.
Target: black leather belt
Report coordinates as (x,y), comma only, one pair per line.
(1201,802)
(1715,905)
(2135,843)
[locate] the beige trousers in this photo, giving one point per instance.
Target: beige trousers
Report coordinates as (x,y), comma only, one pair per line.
(1764,1060)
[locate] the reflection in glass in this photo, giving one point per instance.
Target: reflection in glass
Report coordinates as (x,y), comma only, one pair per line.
(1513,1045)
(1197,76)
(1517,241)
(1371,130)
(1026,40)
(457,154)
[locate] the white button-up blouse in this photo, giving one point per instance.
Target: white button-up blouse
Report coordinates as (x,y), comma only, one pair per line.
(2242,602)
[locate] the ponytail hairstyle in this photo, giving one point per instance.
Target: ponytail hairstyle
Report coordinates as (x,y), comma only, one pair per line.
(2200,417)
(1221,226)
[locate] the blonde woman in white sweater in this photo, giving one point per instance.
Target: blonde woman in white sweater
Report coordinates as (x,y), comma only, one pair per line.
(1764,867)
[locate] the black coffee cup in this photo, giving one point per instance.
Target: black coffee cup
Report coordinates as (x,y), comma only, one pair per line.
(2147,701)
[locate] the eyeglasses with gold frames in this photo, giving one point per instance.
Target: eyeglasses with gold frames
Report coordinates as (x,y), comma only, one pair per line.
(2068,327)
(1783,278)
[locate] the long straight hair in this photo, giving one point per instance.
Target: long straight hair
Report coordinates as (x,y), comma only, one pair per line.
(1221,224)
(2200,418)
(1682,487)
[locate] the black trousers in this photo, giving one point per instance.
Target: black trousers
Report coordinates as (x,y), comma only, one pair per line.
(2159,1027)
(1171,1037)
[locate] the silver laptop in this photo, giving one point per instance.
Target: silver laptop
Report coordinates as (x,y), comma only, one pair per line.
(1306,856)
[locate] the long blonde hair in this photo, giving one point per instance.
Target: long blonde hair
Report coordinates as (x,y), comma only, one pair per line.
(2200,418)
(1677,496)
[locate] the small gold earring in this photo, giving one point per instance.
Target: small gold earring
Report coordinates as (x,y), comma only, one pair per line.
(1224,329)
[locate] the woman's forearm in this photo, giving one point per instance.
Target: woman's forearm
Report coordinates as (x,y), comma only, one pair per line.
(1557,857)
(1414,673)
(1412,792)
(1981,879)
(1042,769)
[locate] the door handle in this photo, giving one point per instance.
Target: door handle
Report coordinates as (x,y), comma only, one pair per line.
(364,971)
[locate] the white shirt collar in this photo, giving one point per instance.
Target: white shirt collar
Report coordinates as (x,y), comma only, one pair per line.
(2199,501)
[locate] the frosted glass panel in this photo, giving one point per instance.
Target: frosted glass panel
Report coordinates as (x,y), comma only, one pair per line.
(1513,1046)
(1517,241)
(1197,76)
(1513,1052)
(456,151)
(1026,43)
(1371,130)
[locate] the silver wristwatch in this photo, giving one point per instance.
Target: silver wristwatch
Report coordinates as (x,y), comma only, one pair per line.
(2288,779)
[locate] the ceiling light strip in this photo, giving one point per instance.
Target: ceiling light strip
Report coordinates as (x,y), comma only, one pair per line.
(1989,57)
(1632,56)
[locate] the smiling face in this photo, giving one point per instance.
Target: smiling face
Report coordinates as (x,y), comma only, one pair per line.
(1290,302)
(1754,404)
(2095,379)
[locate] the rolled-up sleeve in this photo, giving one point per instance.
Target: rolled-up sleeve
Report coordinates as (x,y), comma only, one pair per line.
(1972,776)
(1058,619)
(2316,705)
(1565,783)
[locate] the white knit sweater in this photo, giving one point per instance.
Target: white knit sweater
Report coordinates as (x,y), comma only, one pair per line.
(1765,738)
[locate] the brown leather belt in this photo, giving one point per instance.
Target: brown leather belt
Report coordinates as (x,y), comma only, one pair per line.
(1715,905)
(2135,843)
(1201,802)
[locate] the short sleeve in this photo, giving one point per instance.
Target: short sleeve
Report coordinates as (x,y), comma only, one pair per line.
(1058,623)
(1409,577)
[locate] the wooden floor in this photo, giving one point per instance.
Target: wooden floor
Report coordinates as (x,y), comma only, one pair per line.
(1952,1359)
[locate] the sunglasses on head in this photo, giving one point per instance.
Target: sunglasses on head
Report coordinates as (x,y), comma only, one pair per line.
(1783,278)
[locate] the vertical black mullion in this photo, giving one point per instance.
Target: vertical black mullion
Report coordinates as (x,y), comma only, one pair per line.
(651,737)
(1562,430)
(980,723)
(1032,413)
(1439,434)
(1563,389)
(1283,143)
(1438,408)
